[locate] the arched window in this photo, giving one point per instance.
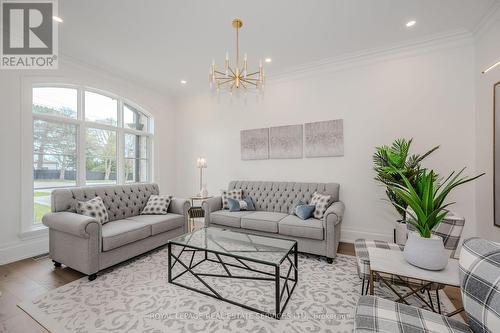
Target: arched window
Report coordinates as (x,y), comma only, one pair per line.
(82,136)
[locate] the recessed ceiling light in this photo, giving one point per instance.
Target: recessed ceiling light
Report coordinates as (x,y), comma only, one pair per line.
(184,82)
(268,60)
(57,19)
(411,23)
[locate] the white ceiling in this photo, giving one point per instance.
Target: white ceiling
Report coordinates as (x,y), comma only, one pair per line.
(157,43)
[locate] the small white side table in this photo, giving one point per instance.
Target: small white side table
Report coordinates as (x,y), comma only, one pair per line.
(393,263)
(196,211)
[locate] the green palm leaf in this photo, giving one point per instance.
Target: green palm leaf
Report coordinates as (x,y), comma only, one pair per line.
(426,197)
(391,161)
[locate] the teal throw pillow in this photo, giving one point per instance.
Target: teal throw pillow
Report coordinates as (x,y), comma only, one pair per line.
(305,211)
(295,204)
(233,205)
(250,205)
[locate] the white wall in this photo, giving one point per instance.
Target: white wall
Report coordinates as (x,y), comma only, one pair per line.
(433,93)
(487,52)
(427,95)
(12,245)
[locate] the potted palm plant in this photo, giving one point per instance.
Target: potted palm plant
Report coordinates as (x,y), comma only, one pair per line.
(390,162)
(427,208)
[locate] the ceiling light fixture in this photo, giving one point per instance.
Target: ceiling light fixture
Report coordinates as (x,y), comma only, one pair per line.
(491,67)
(57,19)
(184,82)
(411,23)
(268,60)
(236,76)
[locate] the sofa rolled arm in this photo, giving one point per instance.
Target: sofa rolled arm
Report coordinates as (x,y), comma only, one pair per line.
(334,213)
(72,223)
(211,205)
(179,206)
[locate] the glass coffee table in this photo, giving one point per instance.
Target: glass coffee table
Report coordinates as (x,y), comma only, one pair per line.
(260,256)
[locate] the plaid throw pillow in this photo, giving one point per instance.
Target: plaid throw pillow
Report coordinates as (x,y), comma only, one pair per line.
(233,194)
(321,201)
(157,205)
(94,208)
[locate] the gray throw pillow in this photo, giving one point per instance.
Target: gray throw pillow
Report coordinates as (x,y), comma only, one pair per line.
(321,201)
(305,212)
(94,208)
(157,205)
(233,194)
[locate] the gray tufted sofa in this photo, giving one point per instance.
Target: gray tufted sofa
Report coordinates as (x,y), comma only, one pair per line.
(273,201)
(82,243)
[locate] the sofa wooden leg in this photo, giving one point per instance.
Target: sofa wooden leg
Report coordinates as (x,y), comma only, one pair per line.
(329,260)
(92,277)
(56,264)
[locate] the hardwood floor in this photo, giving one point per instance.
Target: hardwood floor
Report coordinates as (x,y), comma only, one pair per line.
(25,279)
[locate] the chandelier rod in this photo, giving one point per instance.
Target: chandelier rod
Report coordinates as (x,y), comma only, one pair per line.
(237,47)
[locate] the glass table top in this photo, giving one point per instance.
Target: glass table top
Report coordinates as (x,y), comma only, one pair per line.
(262,249)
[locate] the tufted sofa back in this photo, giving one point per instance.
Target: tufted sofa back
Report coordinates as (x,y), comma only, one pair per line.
(280,196)
(121,201)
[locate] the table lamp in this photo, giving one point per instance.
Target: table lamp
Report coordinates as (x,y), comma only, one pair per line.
(201,163)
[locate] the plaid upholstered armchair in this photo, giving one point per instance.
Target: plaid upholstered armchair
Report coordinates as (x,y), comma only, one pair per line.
(480,287)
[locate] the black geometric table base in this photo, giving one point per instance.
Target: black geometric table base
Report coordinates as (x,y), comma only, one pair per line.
(241,264)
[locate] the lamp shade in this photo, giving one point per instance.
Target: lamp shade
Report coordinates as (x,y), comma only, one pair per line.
(201,162)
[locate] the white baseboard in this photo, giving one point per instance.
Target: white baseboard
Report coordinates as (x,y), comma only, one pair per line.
(24,249)
(350,235)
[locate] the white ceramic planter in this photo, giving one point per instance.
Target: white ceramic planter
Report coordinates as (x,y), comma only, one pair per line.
(426,253)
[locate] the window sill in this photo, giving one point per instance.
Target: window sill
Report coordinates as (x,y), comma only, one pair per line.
(34,232)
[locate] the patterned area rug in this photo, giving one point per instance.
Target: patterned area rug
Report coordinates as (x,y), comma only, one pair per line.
(136,297)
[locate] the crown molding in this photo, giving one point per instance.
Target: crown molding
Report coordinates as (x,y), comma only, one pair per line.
(127,80)
(492,15)
(401,50)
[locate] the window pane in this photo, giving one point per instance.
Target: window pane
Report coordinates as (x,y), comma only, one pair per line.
(136,166)
(55,101)
(41,204)
(101,156)
(54,162)
(54,154)
(101,109)
(136,146)
(136,170)
(144,168)
(134,119)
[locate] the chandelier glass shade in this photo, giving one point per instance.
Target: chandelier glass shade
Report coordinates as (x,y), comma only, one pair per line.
(235,76)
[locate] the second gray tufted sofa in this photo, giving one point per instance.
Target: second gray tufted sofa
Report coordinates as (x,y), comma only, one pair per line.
(82,243)
(273,201)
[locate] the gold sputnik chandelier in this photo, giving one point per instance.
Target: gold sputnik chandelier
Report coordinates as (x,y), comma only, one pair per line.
(236,76)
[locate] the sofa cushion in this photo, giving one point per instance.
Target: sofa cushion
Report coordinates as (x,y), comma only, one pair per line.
(294,226)
(227,218)
(262,221)
(120,232)
(160,223)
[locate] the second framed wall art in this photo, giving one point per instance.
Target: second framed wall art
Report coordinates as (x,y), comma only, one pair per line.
(316,139)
